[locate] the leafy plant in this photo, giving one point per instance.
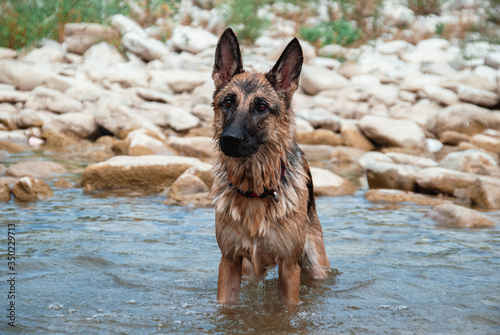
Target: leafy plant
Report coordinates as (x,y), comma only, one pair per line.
(23,22)
(425,7)
(341,32)
(243,16)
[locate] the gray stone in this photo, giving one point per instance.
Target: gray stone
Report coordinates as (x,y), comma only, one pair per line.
(493,60)
(39,169)
(194,40)
(181,80)
(321,118)
(145,47)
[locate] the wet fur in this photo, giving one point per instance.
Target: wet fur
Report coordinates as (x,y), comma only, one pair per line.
(253,231)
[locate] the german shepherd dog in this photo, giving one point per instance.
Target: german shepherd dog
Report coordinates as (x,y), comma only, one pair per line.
(265,213)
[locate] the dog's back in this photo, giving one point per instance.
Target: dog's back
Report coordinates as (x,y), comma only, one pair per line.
(263,191)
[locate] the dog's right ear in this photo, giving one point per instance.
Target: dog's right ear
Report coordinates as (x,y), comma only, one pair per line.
(228,61)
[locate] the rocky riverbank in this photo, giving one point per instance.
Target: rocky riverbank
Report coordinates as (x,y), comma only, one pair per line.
(413,123)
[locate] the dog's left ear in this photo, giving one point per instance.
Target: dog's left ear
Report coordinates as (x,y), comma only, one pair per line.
(284,76)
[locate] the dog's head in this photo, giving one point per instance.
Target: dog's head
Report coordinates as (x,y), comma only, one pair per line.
(249,105)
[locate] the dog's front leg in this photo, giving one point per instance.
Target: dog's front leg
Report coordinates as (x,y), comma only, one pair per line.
(228,287)
(289,283)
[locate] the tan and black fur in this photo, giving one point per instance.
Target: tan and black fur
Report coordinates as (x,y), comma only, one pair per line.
(255,132)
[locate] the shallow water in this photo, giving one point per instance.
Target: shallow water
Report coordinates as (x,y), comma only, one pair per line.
(110,264)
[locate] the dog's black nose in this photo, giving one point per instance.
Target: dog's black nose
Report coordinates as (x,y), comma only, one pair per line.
(232,145)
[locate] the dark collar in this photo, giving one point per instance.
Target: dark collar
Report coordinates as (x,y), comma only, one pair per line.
(271,192)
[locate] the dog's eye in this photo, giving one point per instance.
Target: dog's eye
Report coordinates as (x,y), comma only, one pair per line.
(228,103)
(261,107)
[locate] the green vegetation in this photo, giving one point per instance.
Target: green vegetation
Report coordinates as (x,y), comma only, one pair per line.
(23,22)
(242,16)
(341,32)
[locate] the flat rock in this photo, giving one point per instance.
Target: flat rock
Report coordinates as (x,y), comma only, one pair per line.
(470,161)
(50,52)
(140,172)
(194,40)
(31,189)
(391,176)
(392,132)
(477,96)
(6,53)
(459,217)
(447,181)
(486,193)
(199,146)
(126,25)
(79,37)
(441,95)
(373,156)
(319,136)
(116,117)
(463,118)
(486,142)
(181,80)
(315,152)
(327,183)
(63,104)
(451,137)
(398,196)
(321,118)
(13,96)
(25,76)
(41,169)
(401,158)
(316,79)
(493,60)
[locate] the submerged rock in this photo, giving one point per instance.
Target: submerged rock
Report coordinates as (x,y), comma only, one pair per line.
(63,183)
(459,217)
(40,169)
(5,192)
(31,189)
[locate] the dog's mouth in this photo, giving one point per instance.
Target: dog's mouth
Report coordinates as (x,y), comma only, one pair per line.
(237,148)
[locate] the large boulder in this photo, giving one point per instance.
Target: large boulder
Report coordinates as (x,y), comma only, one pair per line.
(81,125)
(198,146)
(353,137)
(41,169)
(459,217)
(327,183)
(392,132)
(187,184)
(116,117)
(31,189)
(5,192)
(463,118)
(486,142)
(319,136)
(141,172)
(25,76)
(402,158)
(143,142)
(455,183)
(477,96)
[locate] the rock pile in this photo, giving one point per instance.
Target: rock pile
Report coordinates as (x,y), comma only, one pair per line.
(416,118)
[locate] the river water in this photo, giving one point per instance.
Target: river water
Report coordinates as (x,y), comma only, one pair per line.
(98,263)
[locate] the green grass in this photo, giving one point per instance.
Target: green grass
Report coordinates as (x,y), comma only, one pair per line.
(340,32)
(241,15)
(24,22)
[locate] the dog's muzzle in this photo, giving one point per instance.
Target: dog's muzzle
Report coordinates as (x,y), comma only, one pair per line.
(236,146)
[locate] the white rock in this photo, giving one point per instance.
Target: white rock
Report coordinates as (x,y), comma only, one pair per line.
(477,96)
(140,143)
(393,47)
(64,104)
(13,96)
(401,158)
(51,52)
(25,76)
(493,60)
(181,80)
(374,156)
(181,120)
(199,146)
(321,118)
(102,53)
(438,68)
(440,95)
(6,53)
(365,80)
(145,47)
(153,95)
(194,40)
(79,124)
(126,25)
(471,161)
(433,43)
(327,183)
(433,145)
(386,131)
(487,73)
(316,79)
(28,118)
(302,126)
(382,94)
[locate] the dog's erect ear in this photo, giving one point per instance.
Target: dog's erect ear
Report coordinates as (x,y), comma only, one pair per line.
(228,61)
(284,76)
